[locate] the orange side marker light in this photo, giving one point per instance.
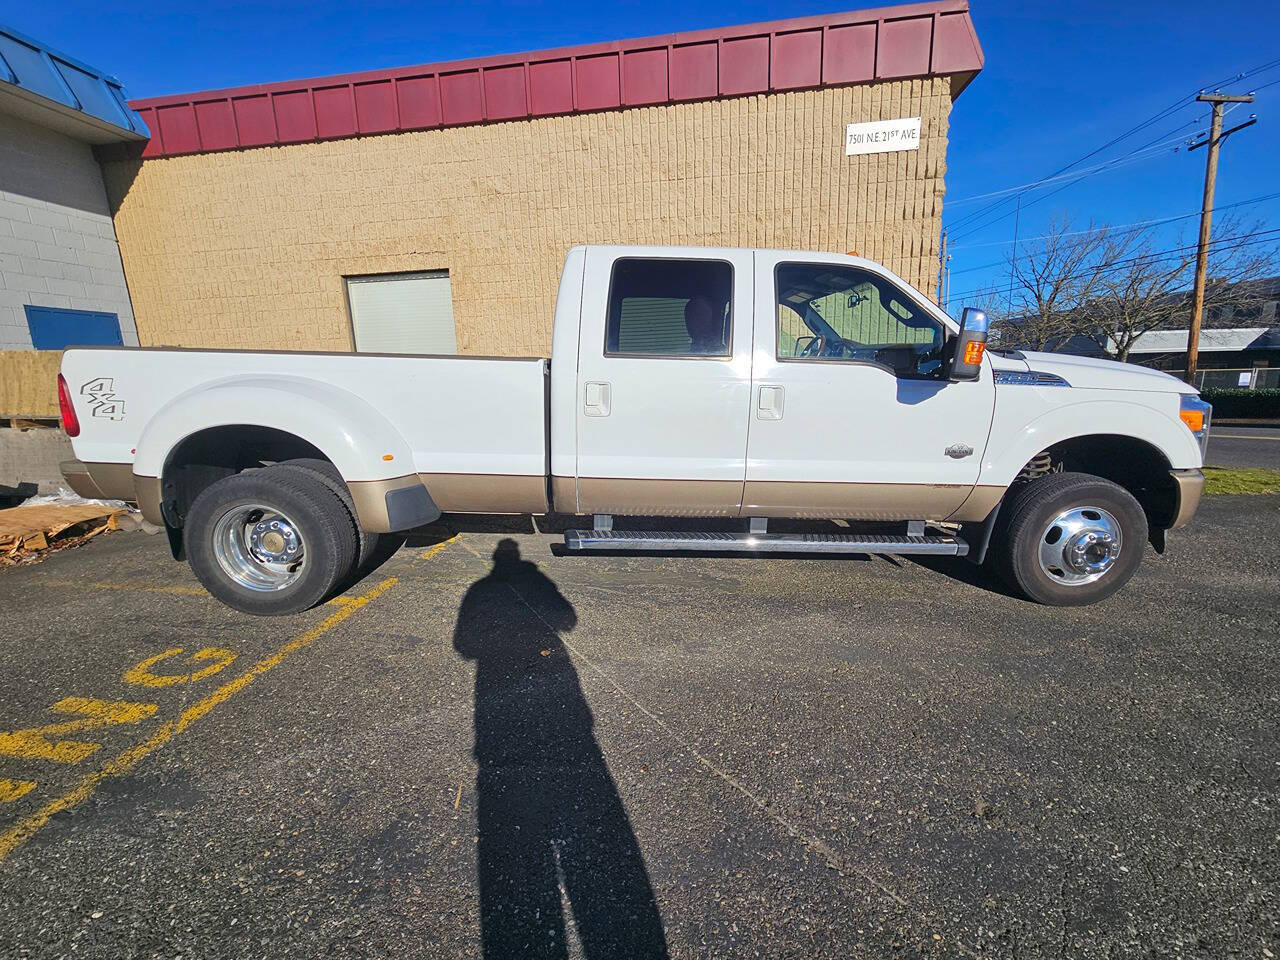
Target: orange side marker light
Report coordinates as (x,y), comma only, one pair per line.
(1193,419)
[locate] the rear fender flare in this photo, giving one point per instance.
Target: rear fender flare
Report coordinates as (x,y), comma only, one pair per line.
(350,432)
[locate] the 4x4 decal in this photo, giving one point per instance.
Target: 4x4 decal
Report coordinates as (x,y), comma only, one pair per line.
(102,398)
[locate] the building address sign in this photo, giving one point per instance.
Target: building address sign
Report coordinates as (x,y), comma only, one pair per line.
(882,136)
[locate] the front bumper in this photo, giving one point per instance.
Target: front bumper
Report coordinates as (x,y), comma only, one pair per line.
(1190,487)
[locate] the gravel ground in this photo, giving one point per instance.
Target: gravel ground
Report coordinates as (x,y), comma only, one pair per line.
(496,748)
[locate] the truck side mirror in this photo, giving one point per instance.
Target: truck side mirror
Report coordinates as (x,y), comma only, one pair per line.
(969,346)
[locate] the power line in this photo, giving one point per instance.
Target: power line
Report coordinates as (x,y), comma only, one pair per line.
(1138,257)
(996,219)
(1262,68)
(1111,228)
(1156,118)
(1159,256)
(1173,108)
(978,228)
(1088,171)
(974,222)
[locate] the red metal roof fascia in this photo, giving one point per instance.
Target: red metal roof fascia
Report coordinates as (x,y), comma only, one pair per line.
(911,40)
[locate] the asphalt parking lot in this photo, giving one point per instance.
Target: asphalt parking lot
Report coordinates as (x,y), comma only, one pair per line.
(542,755)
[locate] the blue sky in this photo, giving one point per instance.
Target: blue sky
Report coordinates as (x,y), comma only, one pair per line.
(1061,79)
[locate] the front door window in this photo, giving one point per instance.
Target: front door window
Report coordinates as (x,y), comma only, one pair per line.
(830,312)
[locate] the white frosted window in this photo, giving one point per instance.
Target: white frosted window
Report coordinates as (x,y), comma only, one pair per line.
(403,313)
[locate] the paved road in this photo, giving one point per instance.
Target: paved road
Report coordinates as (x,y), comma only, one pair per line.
(644,756)
(1244,447)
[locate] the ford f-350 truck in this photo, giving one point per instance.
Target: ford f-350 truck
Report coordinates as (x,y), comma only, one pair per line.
(763,385)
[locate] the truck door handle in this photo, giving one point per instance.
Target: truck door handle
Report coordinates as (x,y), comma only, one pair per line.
(769,406)
(597,399)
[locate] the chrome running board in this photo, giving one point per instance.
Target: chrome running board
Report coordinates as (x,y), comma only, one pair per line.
(828,543)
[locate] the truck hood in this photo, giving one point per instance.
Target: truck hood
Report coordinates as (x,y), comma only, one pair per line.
(1104,374)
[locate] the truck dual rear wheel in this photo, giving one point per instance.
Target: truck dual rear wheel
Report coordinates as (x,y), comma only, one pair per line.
(270,542)
(1069,539)
(332,478)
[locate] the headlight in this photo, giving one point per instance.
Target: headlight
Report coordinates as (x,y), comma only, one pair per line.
(1195,413)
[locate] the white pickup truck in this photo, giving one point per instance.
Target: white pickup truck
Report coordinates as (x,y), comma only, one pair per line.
(763,385)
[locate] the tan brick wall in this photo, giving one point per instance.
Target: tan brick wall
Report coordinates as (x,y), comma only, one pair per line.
(249,248)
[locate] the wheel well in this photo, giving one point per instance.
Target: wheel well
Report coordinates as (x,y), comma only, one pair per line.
(1134,464)
(209,455)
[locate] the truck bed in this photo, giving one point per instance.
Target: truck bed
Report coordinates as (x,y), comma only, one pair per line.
(474,428)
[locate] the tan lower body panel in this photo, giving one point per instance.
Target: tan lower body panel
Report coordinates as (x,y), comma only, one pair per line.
(1190,489)
(101,481)
(78,479)
(660,498)
(148,495)
(564,494)
(370,499)
(860,501)
(487,493)
(779,499)
(979,504)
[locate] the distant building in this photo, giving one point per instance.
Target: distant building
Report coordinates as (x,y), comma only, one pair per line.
(1239,342)
(61,279)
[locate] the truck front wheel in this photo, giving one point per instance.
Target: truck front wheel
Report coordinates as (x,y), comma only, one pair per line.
(270,542)
(1070,539)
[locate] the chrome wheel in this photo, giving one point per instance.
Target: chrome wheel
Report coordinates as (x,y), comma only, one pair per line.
(258,547)
(1079,546)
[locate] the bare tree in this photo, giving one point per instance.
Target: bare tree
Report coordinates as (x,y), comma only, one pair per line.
(1110,286)
(1150,288)
(1052,277)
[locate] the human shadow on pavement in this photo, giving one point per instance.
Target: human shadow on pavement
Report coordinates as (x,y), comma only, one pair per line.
(549,813)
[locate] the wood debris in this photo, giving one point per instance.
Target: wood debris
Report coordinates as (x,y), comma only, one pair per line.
(29,533)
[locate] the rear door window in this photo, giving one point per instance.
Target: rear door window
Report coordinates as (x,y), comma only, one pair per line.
(670,308)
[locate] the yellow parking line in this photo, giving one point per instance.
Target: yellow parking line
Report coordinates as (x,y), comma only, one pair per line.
(434,549)
(22,831)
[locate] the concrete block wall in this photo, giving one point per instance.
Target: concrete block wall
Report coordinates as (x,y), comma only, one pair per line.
(249,248)
(58,244)
(32,457)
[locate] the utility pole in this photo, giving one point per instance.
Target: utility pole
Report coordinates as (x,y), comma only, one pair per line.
(1216,136)
(943,277)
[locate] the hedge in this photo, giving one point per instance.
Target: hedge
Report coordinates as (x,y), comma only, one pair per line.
(1243,403)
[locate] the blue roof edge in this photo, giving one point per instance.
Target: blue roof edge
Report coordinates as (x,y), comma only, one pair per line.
(42,72)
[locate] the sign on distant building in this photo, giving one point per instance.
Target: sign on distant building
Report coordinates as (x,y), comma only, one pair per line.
(882,136)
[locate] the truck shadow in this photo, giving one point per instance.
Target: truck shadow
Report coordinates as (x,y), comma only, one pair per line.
(961,570)
(549,814)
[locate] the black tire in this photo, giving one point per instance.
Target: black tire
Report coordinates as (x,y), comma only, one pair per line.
(368,542)
(1025,522)
(322,522)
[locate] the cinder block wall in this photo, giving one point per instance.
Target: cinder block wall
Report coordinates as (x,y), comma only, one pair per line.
(57,242)
(249,248)
(32,457)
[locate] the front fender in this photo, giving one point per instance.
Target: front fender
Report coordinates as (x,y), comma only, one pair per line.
(1010,448)
(350,432)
